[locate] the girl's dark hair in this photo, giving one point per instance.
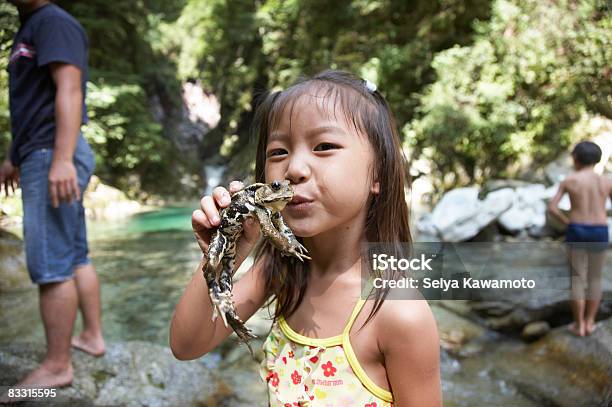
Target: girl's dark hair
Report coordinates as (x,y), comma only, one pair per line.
(387,218)
(587,153)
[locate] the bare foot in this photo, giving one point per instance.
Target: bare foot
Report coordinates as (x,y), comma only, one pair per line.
(43,377)
(590,328)
(578,331)
(93,346)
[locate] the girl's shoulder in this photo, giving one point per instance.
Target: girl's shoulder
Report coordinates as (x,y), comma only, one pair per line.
(401,321)
(410,346)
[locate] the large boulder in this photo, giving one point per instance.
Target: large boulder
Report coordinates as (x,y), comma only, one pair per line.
(460,215)
(527,210)
(546,263)
(561,369)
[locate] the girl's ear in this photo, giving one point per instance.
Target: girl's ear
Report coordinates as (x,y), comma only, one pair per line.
(375,188)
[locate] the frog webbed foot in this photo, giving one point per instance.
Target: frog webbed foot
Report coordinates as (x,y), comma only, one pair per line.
(223,303)
(296,249)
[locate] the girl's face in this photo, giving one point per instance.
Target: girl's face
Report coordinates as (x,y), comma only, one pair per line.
(328,163)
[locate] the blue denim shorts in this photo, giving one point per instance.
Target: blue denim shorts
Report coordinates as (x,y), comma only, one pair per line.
(55,238)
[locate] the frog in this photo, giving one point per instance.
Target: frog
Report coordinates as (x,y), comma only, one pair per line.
(263,201)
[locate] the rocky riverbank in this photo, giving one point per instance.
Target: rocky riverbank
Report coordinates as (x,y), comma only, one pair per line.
(142,374)
(483,369)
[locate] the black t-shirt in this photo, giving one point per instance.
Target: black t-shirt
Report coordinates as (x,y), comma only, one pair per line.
(49,34)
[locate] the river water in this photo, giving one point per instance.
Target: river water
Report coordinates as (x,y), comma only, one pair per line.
(143,264)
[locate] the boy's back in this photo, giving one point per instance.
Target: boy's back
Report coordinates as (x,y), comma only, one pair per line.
(588,192)
(586,235)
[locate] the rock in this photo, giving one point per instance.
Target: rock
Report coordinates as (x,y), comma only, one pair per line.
(489,233)
(241,374)
(492,308)
(455,331)
(456,206)
(13,270)
(137,374)
(509,310)
(557,170)
(564,204)
(460,215)
(528,209)
(469,381)
(103,202)
(518,206)
(425,225)
(561,369)
(535,330)
(495,184)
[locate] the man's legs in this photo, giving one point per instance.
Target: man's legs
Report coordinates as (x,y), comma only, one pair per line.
(90,340)
(58,305)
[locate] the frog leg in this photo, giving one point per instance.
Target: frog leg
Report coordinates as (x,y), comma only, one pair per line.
(278,239)
(227,269)
(216,249)
(296,248)
(226,303)
(227,306)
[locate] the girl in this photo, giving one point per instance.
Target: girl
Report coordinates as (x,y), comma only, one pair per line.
(334,138)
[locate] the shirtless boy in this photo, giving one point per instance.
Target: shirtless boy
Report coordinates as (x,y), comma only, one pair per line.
(586,234)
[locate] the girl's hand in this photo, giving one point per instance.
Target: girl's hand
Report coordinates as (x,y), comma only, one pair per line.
(205,221)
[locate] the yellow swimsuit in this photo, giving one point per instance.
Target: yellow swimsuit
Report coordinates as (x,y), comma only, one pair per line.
(303,371)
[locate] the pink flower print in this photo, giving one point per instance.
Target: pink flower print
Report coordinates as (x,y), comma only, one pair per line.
(328,369)
(371,405)
(295,376)
(284,359)
(272,377)
(314,359)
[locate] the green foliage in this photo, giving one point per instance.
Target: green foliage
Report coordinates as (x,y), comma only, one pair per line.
(241,48)
(511,98)
(8,28)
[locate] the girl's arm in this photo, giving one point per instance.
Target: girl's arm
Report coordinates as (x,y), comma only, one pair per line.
(192,331)
(411,347)
(554,202)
